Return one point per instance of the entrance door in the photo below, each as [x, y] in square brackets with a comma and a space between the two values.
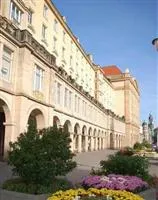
[2, 134]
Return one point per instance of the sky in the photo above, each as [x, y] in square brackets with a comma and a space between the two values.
[120, 32]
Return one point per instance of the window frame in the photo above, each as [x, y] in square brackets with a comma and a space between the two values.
[41, 78]
[14, 16]
[45, 11]
[10, 63]
[44, 28]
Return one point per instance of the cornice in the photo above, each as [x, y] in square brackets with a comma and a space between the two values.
[23, 38]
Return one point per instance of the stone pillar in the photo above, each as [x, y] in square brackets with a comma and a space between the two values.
[79, 143]
[104, 143]
[72, 141]
[114, 141]
[92, 143]
[86, 143]
[100, 143]
[9, 136]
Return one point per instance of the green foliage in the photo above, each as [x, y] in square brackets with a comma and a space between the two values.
[38, 157]
[138, 146]
[98, 172]
[18, 185]
[146, 144]
[126, 151]
[126, 165]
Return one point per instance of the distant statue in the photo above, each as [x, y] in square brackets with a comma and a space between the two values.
[151, 129]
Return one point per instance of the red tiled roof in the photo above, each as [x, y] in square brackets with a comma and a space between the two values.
[111, 70]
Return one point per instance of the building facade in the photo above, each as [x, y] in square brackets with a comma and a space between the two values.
[45, 74]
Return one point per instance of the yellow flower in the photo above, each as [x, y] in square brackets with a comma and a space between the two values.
[72, 193]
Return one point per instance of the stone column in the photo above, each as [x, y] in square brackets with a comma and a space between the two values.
[103, 142]
[86, 143]
[79, 143]
[92, 143]
[72, 141]
[10, 135]
[100, 143]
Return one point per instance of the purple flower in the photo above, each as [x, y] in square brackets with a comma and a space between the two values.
[116, 182]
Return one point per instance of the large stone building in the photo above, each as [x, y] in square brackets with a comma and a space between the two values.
[45, 74]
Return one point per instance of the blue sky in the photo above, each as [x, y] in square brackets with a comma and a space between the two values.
[120, 32]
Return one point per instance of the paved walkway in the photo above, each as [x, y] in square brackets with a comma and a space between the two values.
[85, 162]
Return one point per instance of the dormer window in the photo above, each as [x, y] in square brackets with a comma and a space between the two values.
[44, 32]
[15, 13]
[45, 11]
[30, 17]
[55, 25]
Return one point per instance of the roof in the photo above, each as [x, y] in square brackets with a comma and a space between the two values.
[111, 70]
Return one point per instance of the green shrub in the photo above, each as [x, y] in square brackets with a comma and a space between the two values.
[138, 146]
[38, 157]
[18, 185]
[146, 144]
[126, 151]
[98, 172]
[126, 165]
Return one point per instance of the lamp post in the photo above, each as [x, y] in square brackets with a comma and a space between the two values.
[155, 43]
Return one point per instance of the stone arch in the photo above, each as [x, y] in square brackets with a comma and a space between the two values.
[67, 126]
[56, 122]
[106, 139]
[37, 116]
[111, 141]
[102, 140]
[5, 130]
[90, 140]
[84, 135]
[116, 141]
[95, 139]
[76, 137]
[119, 141]
[99, 140]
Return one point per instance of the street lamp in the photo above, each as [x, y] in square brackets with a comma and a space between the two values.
[155, 43]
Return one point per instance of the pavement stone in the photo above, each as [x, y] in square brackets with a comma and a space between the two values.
[149, 194]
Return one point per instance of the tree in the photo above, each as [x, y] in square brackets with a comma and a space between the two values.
[37, 157]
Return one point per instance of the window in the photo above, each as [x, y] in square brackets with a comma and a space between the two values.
[77, 53]
[6, 63]
[55, 25]
[71, 46]
[44, 32]
[15, 13]
[78, 104]
[85, 113]
[75, 103]
[63, 53]
[70, 96]
[54, 92]
[83, 107]
[64, 36]
[66, 98]
[70, 61]
[30, 17]
[54, 44]
[38, 81]
[58, 93]
[45, 11]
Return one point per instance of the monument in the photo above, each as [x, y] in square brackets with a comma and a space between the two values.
[151, 129]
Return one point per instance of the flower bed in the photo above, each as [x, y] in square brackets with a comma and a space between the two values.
[94, 193]
[115, 182]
